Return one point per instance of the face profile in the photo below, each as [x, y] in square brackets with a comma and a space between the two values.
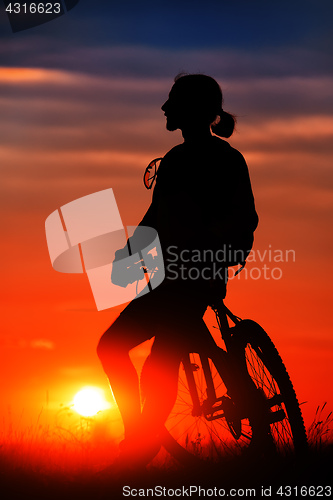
[194, 105]
[175, 109]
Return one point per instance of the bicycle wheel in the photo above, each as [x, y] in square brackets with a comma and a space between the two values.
[215, 429]
[273, 420]
[270, 376]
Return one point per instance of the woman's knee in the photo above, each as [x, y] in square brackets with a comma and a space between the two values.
[101, 347]
[107, 344]
[112, 344]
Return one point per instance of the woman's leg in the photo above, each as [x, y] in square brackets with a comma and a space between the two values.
[129, 330]
[159, 378]
[174, 317]
[123, 380]
[159, 385]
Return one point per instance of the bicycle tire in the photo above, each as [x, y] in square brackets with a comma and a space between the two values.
[268, 372]
[207, 441]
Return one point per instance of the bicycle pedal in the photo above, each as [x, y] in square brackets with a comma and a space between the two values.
[277, 416]
[232, 416]
[275, 400]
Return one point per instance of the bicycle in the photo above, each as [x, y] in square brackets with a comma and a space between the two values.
[234, 398]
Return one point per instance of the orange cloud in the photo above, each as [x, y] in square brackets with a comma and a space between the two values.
[24, 76]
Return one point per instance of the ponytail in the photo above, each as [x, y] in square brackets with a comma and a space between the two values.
[225, 126]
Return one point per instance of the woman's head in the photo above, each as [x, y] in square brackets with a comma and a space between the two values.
[196, 101]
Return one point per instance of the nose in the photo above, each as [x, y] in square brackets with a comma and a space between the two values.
[164, 106]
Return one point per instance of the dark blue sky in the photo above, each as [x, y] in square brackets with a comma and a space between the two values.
[184, 24]
[253, 27]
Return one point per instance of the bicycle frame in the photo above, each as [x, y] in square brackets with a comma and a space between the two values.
[212, 406]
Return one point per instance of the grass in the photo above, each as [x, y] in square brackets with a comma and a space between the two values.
[320, 430]
[56, 462]
[64, 447]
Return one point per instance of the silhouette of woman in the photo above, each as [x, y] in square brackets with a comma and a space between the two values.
[202, 201]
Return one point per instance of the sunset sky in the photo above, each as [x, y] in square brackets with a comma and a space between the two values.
[80, 112]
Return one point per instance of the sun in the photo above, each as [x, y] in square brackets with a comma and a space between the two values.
[89, 401]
